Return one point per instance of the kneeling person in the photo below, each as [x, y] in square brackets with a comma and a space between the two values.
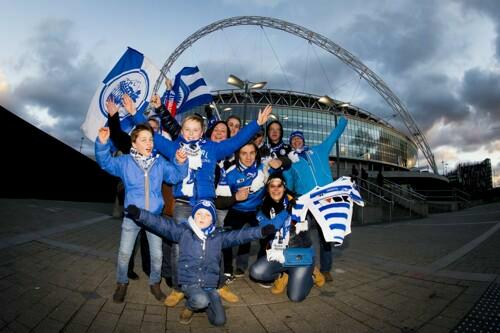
[200, 245]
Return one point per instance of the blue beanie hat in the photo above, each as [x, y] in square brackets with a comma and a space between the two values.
[208, 205]
[299, 134]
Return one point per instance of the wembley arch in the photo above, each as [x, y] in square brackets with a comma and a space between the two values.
[326, 44]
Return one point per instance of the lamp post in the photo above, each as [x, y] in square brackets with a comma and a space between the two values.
[246, 86]
[328, 101]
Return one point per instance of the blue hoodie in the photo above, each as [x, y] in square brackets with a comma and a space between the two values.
[313, 167]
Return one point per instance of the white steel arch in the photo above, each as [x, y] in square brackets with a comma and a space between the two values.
[321, 41]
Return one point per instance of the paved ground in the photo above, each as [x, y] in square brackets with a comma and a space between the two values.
[57, 269]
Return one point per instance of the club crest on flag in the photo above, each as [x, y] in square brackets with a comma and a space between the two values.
[133, 75]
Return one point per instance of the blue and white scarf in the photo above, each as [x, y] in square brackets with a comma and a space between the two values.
[144, 162]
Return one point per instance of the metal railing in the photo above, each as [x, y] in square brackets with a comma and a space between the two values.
[374, 198]
[404, 190]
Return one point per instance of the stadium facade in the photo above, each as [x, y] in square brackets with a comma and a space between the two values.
[368, 141]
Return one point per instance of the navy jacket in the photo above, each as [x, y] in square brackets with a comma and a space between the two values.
[198, 264]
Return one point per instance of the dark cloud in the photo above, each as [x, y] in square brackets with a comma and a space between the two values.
[64, 83]
[395, 41]
[489, 8]
[481, 89]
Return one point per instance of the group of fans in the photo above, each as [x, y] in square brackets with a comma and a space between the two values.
[221, 177]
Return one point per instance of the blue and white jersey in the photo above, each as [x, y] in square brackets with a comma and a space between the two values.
[332, 206]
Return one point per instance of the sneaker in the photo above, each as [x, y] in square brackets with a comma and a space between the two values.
[229, 278]
[279, 284]
[239, 273]
[132, 275]
[186, 316]
[120, 292]
[156, 291]
[319, 279]
[227, 295]
[328, 276]
[266, 285]
[174, 298]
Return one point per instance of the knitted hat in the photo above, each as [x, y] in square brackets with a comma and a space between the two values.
[208, 205]
[299, 134]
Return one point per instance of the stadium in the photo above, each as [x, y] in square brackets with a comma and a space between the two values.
[368, 141]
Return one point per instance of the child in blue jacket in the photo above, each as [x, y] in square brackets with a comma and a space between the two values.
[200, 243]
[142, 174]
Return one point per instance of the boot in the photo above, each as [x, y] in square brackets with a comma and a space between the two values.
[120, 292]
[174, 298]
[280, 284]
[328, 276]
[226, 294]
[319, 279]
[186, 316]
[156, 291]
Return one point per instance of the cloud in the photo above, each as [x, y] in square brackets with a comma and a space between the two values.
[489, 8]
[481, 89]
[56, 95]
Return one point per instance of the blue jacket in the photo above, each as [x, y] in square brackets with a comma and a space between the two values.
[313, 167]
[136, 179]
[204, 177]
[237, 178]
[197, 264]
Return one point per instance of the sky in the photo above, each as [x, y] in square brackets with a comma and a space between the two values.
[441, 58]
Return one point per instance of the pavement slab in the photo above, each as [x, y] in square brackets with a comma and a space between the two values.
[57, 273]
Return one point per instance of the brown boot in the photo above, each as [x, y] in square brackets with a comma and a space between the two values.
[319, 279]
[186, 316]
[174, 298]
[328, 276]
[280, 284]
[120, 292]
[156, 291]
[227, 295]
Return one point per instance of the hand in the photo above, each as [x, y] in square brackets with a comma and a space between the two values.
[168, 84]
[156, 101]
[267, 230]
[111, 107]
[103, 135]
[181, 156]
[129, 104]
[242, 193]
[275, 164]
[264, 115]
[133, 212]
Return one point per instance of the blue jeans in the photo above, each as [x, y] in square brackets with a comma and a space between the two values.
[325, 248]
[130, 230]
[198, 298]
[181, 214]
[300, 279]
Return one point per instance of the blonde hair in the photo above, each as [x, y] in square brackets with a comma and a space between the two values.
[196, 118]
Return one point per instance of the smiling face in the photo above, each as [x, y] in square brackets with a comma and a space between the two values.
[202, 218]
[247, 155]
[297, 142]
[274, 133]
[144, 143]
[219, 133]
[276, 189]
[234, 126]
[192, 130]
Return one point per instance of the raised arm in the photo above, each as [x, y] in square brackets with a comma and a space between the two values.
[168, 123]
[328, 143]
[245, 235]
[229, 146]
[103, 156]
[160, 225]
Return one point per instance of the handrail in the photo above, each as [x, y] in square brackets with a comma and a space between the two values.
[410, 191]
[385, 189]
[391, 203]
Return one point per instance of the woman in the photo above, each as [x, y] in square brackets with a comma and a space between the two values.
[299, 279]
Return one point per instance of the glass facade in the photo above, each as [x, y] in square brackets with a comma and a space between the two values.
[363, 140]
